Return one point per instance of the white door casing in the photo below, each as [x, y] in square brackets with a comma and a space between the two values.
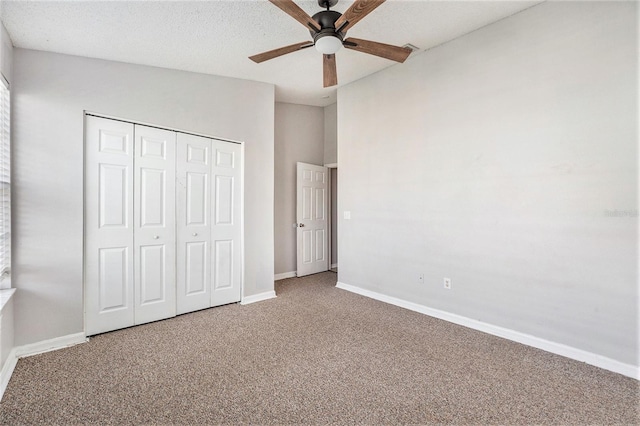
[154, 230]
[312, 219]
[226, 237]
[193, 168]
[109, 222]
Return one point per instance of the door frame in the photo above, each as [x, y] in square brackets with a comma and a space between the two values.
[331, 166]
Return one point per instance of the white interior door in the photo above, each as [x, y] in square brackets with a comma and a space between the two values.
[226, 230]
[311, 217]
[109, 248]
[154, 230]
[193, 168]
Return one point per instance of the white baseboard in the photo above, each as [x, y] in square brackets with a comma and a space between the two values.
[258, 297]
[7, 371]
[284, 275]
[50, 345]
[334, 265]
[34, 349]
[516, 336]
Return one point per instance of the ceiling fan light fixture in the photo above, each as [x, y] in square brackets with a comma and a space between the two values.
[328, 44]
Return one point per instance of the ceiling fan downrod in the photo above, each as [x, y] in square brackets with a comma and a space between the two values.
[327, 3]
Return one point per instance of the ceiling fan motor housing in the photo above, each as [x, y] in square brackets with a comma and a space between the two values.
[327, 21]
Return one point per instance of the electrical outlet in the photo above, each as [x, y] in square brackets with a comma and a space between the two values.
[421, 279]
[447, 283]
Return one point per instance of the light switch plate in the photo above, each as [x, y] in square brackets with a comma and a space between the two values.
[347, 215]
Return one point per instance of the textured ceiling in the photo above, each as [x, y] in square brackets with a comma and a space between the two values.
[217, 37]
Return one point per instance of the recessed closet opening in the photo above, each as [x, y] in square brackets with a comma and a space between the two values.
[163, 223]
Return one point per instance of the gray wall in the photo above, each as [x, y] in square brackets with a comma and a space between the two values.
[298, 137]
[514, 173]
[6, 53]
[331, 134]
[50, 93]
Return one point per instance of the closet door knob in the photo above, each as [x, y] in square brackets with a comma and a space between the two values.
[156, 237]
[195, 234]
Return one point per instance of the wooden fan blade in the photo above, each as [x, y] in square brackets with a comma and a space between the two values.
[329, 73]
[395, 53]
[265, 56]
[293, 10]
[356, 12]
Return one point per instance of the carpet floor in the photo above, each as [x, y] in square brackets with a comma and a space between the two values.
[314, 355]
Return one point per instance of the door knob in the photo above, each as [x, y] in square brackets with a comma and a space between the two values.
[156, 237]
[195, 234]
[301, 225]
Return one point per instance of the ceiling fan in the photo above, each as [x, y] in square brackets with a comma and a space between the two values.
[328, 29]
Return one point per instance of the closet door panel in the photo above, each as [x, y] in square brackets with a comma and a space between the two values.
[153, 202]
[154, 224]
[152, 274]
[195, 262]
[226, 262]
[109, 272]
[193, 223]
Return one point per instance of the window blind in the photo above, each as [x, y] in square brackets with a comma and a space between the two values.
[5, 187]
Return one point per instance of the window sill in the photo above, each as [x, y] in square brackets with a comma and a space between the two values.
[5, 296]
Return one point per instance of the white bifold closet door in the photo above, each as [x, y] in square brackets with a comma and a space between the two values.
[208, 215]
[226, 256]
[194, 222]
[109, 249]
[130, 225]
[154, 224]
[162, 224]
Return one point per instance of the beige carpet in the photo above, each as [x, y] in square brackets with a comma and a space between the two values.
[314, 355]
